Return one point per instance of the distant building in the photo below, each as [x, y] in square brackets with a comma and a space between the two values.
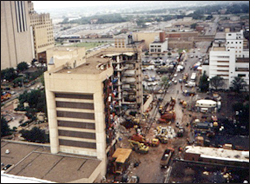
[16, 35]
[42, 28]
[228, 58]
[160, 44]
[147, 36]
[183, 40]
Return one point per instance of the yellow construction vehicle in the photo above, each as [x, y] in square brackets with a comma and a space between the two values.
[138, 147]
[120, 160]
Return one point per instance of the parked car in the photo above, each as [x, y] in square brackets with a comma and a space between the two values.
[7, 167]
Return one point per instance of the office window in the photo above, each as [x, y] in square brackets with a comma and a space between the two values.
[241, 75]
[20, 16]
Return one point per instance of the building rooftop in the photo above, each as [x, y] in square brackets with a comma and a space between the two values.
[158, 42]
[219, 153]
[219, 48]
[37, 161]
[94, 65]
[220, 36]
[64, 48]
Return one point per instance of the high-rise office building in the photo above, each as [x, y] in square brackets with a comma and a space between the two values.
[16, 37]
[42, 33]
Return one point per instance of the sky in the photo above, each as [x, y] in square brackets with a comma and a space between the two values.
[66, 4]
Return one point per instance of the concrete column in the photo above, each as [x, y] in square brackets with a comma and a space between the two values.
[100, 125]
[53, 125]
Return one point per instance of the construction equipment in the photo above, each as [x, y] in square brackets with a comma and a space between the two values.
[162, 139]
[168, 116]
[139, 147]
[185, 77]
[167, 107]
[167, 112]
[120, 160]
[180, 132]
[142, 139]
[154, 142]
[183, 103]
[167, 155]
[161, 134]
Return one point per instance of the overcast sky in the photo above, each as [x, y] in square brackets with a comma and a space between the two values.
[66, 4]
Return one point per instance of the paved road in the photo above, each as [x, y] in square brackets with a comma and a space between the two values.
[213, 27]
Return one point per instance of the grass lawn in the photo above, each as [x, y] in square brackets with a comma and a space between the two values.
[180, 50]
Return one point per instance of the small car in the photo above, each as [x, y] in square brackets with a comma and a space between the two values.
[7, 166]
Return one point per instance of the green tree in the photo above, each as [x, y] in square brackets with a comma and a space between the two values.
[204, 83]
[5, 128]
[18, 81]
[42, 80]
[22, 66]
[8, 74]
[216, 82]
[237, 84]
[35, 135]
[193, 26]
[164, 81]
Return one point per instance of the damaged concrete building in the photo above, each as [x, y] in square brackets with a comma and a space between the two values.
[86, 95]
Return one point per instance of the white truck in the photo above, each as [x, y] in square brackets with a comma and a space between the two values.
[190, 84]
[193, 77]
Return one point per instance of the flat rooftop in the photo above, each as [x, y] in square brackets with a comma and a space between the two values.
[219, 153]
[91, 66]
[220, 36]
[37, 161]
[65, 48]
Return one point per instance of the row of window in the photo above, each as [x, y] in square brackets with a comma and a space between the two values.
[236, 42]
[20, 16]
[44, 45]
[155, 50]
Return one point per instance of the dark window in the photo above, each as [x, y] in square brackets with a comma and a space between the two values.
[77, 144]
[75, 105]
[75, 124]
[241, 75]
[79, 115]
[76, 96]
[86, 135]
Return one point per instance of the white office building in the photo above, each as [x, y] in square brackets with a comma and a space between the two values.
[228, 58]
